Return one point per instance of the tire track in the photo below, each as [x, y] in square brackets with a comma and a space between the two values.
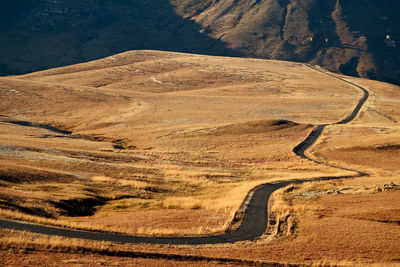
[255, 219]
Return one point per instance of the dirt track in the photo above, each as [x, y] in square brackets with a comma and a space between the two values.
[254, 222]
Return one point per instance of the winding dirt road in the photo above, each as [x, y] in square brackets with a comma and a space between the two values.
[255, 220]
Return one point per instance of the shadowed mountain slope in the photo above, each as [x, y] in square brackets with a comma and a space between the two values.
[359, 38]
[43, 34]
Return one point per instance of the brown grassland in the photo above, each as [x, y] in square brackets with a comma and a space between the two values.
[159, 143]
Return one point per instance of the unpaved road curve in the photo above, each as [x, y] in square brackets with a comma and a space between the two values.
[255, 220]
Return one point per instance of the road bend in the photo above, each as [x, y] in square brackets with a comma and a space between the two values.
[255, 219]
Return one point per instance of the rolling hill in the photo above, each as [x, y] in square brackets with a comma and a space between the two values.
[155, 144]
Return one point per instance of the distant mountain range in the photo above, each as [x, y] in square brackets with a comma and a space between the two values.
[355, 37]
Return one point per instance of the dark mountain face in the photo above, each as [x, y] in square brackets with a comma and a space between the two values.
[355, 37]
[43, 34]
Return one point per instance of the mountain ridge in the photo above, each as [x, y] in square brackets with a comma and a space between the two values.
[358, 38]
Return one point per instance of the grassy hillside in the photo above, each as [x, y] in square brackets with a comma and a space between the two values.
[160, 143]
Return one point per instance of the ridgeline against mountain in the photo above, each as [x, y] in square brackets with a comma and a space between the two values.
[359, 37]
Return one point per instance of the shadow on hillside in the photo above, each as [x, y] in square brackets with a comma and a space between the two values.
[38, 125]
[42, 37]
[382, 20]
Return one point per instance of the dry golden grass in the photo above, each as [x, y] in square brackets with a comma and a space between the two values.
[196, 132]
[38, 250]
[289, 199]
[357, 219]
[170, 144]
